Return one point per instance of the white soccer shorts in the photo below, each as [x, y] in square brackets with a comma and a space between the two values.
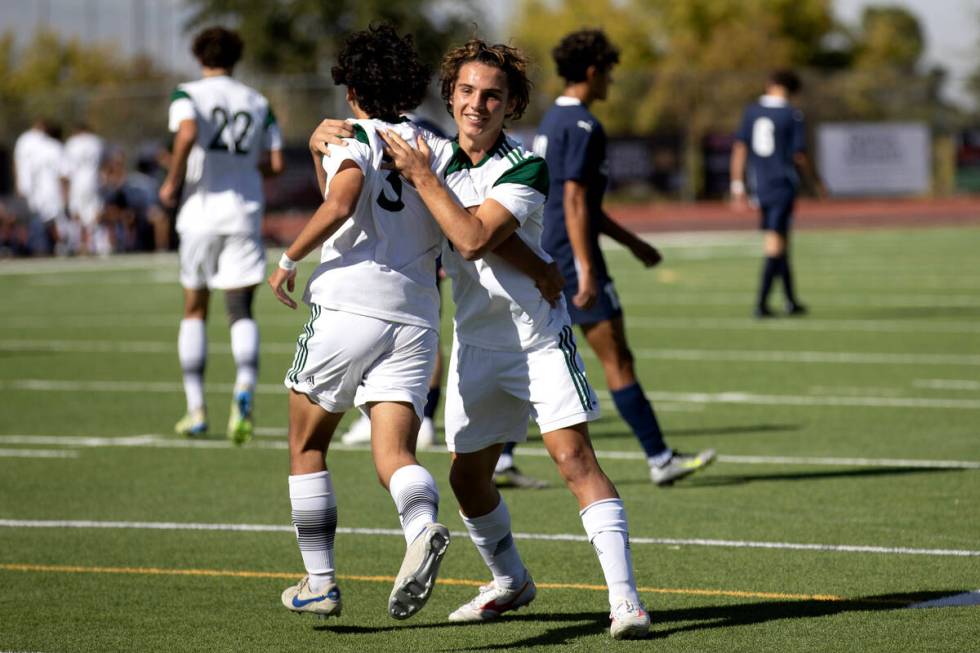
[492, 394]
[221, 262]
[344, 360]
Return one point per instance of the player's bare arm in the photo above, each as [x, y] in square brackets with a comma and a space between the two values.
[339, 205]
[473, 235]
[808, 172]
[183, 142]
[272, 165]
[328, 132]
[740, 153]
[646, 253]
[577, 225]
[546, 276]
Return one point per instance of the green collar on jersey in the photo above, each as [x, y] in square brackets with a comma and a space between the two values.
[461, 161]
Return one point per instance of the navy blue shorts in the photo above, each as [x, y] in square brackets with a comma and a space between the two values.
[777, 215]
[606, 307]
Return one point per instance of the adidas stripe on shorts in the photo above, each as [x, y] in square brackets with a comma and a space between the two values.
[344, 360]
[492, 394]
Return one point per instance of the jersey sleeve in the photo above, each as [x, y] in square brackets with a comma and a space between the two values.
[799, 132]
[744, 133]
[523, 188]
[579, 154]
[271, 134]
[355, 151]
[181, 108]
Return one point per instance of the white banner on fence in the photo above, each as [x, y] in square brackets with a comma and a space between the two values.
[892, 158]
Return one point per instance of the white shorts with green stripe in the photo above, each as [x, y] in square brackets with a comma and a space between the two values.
[344, 360]
[491, 394]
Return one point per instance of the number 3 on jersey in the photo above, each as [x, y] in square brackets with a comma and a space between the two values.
[238, 126]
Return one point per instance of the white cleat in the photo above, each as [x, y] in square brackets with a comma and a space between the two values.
[300, 598]
[493, 601]
[359, 432]
[681, 465]
[629, 620]
[418, 572]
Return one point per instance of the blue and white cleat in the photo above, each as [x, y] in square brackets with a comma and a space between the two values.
[193, 425]
[299, 598]
[240, 426]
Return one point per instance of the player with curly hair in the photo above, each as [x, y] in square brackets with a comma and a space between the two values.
[573, 143]
[514, 356]
[373, 331]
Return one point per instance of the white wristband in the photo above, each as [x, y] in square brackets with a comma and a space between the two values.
[287, 263]
[738, 187]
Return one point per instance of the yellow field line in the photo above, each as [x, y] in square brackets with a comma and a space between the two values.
[157, 571]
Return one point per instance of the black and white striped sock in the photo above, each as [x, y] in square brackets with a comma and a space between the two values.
[416, 498]
[314, 507]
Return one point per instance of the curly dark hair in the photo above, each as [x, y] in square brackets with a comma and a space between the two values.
[510, 60]
[787, 79]
[218, 47]
[577, 51]
[383, 70]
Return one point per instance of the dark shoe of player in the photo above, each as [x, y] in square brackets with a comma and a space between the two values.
[793, 308]
[761, 312]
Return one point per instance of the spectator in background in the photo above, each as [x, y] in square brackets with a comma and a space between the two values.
[772, 141]
[80, 168]
[37, 165]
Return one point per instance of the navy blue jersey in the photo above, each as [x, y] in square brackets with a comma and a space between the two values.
[573, 144]
[774, 132]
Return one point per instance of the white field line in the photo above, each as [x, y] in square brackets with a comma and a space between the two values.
[706, 355]
[169, 442]
[731, 397]
[38, 453]
[555, 537]
[748, 324]
[170, 320]
[879, 300]
[953, 601]
[947, 384]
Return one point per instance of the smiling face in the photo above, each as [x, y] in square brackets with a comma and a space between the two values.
[480, 103]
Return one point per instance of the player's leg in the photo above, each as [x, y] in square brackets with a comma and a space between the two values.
[774, 248]
[314, 506]
[192, 351]
[245, 350]
[240, 267]
[481, 416]
[793, 305]
[487, 521]
[604, 519]
[428, 436]
[394, 390]
[607, 338]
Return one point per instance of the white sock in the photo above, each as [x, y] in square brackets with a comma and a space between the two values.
[192, 349]
[605, 524]
[314, 507]
[493, 539]
[245, 349]
[506, 460]
[661, 458]
[416, 498]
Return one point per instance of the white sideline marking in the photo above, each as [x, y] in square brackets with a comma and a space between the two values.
[37, 453]
[749, 324]
[956, 600]
[823, 299]
[947, 384]
[165, 442]
[740, 355]
[556, 537]
[733, 397]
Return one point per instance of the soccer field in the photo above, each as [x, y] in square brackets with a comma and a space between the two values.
[845, 495]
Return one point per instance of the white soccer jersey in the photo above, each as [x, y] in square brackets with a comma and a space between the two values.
[223, 187]
[497, 306]
[381, 262]
[80, 165]
[24, 156]
[45, 196]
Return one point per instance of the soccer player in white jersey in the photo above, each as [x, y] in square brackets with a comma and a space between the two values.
[223, 128]
[37, 164]
[514, 356]
[80, 170]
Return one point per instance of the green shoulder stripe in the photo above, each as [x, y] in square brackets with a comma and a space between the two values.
[361, 135]
[178, 94]
[532, 171]
[270, 118]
